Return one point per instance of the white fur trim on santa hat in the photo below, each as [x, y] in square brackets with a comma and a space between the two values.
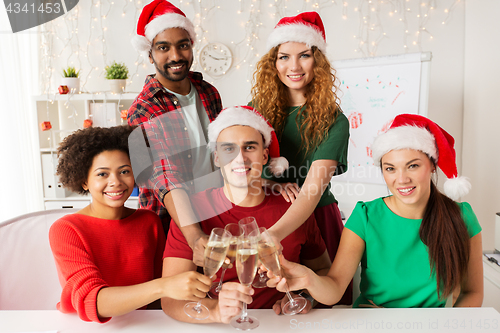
[404, 137]
[278, 165]
[298, 32]
[457, 187]
[142, 45]
[168, 21]
[239, 116]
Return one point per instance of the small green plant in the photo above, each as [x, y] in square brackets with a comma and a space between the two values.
[117, 71]
[70, 72]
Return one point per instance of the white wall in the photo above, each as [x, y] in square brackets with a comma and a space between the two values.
[99, 41]
[481, 133]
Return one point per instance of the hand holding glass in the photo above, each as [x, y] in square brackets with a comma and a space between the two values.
[249, 224]
[215, 253]
[236, 231]
[246, 267]
[268, 255]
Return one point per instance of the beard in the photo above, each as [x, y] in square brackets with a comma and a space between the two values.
[177, 76]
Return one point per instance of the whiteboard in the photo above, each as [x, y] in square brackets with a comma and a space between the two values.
[372, 92]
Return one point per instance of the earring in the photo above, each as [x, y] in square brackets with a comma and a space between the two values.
[434, 171]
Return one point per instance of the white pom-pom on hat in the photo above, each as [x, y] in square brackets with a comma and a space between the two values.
[457, 187]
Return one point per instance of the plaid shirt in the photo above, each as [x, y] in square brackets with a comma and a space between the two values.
[168, 139]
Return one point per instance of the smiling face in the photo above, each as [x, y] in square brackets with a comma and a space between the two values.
[407, 173]
[172, 55]
[110, 181]
[295, 65]
[241, 155]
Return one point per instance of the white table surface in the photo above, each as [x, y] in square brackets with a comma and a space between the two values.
[322, 320]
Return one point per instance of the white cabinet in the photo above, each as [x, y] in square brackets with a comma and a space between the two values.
[67, 113]
[491, 272]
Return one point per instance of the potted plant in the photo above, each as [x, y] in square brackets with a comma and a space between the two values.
[71, 79]
[117, 74]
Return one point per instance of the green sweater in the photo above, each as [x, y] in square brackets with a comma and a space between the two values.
[333, 147]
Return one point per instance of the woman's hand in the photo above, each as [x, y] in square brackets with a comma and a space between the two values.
[191, 286]
[294, 275]
[278, 306]
[289, 191]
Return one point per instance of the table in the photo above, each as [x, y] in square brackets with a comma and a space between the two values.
[440, 320]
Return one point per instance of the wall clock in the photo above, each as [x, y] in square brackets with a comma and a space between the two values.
[215, 59]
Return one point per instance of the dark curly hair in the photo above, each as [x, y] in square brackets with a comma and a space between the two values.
[77, 151]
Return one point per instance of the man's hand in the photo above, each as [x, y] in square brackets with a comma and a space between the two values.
[198, 247]
[231, 299]
[278, 306]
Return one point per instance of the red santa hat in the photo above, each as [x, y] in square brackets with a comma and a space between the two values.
[157, 16]
[304, 28]
[411, 131]
[248, 116]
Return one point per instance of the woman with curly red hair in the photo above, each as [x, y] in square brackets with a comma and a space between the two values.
[294, 88]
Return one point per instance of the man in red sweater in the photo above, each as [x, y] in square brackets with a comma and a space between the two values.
[242, 144]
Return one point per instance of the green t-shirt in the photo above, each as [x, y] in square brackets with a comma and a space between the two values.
[333, 147]
[395, 267]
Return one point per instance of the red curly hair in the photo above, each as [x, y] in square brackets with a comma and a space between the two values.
[271, 98]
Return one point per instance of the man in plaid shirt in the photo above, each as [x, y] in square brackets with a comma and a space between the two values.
[173, 110]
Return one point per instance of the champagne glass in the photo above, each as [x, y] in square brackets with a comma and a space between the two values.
[246, 267]
[268, 255]
[236, 231]
[249, 224]
[215, 253]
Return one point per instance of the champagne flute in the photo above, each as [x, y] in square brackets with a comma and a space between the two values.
[215, 253]
[268, 255]
[246, 267]
[236, 231]
[249, 224]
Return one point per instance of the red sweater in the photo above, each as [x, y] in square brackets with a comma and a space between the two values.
[93, 253]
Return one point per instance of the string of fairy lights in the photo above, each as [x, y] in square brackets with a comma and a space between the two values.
[81, 38]
[372, 15]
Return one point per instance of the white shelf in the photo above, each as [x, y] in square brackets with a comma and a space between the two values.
[99, 96]
[66, 118]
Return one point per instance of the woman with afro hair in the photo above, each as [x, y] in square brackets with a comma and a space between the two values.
[108, 256]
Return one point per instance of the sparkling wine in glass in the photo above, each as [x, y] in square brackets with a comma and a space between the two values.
[269, 257]
[236, 231]
[249, 224]
[215, 253]
[246, 267]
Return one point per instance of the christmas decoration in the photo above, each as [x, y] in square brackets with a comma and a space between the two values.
[87, 123]
[123, 114]
[46, 125]
[63, 90]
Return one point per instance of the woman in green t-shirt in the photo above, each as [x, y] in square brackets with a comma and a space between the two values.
[294, 88]
[418, 247]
